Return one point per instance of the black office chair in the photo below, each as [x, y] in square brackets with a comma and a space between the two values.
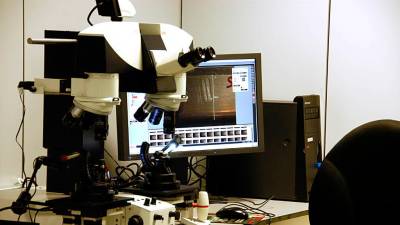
[358, 182]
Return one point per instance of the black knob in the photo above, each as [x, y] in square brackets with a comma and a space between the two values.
[158, 217]
[135, 220]
[146, 202]
[70, 121]
[153, 201]
[176, 215]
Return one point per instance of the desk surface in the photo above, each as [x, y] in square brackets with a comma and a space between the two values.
[283, 210]
[7, 196]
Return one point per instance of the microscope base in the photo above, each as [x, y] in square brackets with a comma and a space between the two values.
[65, 206]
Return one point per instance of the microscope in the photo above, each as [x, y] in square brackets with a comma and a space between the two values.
[84, 73]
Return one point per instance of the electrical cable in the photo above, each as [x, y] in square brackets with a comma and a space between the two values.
[198, 161]
[250, 209]
[26, 180]
[193, 170]
[112, 158]
[36, 214]
[21, 146]
[191, 166]
[122, 169]
[201, 166]
[29, 213]
[35, 190]
[5, 208]
[327, 69]
[34, 218]
[126, 168]
[261, 204]
[40, 210]
[189, 176]
[91, 12]
[21, 97]
[132, 178]
[138, 167]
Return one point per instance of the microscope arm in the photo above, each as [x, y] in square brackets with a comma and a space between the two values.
[98, 93]
[47, 86]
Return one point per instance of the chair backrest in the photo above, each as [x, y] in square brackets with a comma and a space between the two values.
[358, 181]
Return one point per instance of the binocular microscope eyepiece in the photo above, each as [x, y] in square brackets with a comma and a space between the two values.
[194, 58]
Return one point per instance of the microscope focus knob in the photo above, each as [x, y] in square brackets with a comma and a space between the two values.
[135, 220]
[146, 202]
[176, 215]
[153, 201]
[158, 217]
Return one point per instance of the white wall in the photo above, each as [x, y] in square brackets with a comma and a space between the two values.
[290, 34]
[10, 74]
[364, 74]
[39, 16]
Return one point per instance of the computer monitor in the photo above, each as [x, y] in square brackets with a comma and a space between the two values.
[223, 114]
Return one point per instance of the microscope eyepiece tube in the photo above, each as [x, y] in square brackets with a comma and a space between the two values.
[155, 116]
[143, 111]
[193, 57]
[169, 122]
[209, 53]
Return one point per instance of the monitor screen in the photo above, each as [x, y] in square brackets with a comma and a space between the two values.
[223, 114]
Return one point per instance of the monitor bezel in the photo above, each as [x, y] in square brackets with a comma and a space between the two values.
[122, 120]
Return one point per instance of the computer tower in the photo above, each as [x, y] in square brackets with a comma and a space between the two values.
[308, 140]
[261, 175]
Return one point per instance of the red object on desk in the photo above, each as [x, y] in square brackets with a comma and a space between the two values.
[195, 205]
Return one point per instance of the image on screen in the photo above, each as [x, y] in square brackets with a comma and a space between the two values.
[221, 111]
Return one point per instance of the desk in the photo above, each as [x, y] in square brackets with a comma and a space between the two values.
[9, 195]
[287, 213]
